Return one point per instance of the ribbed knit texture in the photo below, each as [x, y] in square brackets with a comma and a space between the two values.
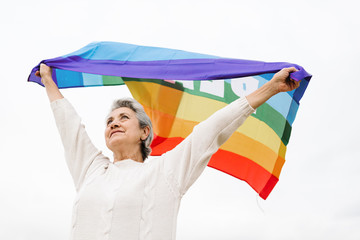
[131, 200]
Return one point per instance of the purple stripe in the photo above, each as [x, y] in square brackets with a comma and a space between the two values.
[183, 69]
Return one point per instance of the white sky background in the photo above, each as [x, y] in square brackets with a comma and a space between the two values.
[317, 197]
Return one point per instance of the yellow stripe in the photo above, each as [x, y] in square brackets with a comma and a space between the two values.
[254, 139]
[197, 109]
[238, 143]
[261, 132]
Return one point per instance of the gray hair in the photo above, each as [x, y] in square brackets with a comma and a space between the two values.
[143, 118]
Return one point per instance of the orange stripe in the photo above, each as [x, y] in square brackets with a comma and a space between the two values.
[196, 109]
[167, 126]
[161, 104]
[235, 165]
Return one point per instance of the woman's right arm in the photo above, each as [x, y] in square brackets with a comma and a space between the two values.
[80, 152]
[52, 89]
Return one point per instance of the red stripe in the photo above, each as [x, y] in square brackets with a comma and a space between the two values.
[233, 164]
[243, 168]
[161, 145]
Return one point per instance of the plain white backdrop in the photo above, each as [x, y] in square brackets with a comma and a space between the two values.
[317, 197]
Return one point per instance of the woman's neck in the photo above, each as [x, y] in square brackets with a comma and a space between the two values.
[133, 155]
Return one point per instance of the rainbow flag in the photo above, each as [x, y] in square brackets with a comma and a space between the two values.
[179, 89]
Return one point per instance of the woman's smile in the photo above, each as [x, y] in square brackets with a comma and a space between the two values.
[116, 132]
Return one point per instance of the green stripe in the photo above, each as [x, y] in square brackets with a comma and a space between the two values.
[274, 120]
[264, 113]
[112, 80]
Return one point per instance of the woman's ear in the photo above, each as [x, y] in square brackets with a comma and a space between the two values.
[145, 133]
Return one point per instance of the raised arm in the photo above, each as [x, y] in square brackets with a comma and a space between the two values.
[82, 157]
[52, 89]
[184, 164]
[281, 82]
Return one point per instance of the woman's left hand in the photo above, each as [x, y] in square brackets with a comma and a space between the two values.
[282, 81]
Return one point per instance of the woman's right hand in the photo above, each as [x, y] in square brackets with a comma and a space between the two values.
[46, 78]
[44, 73]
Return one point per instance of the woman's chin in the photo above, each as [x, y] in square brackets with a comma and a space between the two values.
[116, 143]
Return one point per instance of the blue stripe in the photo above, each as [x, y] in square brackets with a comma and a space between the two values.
[296, 94]
[68, 79]
[129, 52]
[281, 102]
[92, 79]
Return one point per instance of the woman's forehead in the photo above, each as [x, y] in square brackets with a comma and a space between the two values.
[122, 110]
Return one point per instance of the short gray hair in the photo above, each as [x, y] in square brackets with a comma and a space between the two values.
[143, 118]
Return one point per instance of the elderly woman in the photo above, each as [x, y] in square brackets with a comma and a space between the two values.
[128, 198]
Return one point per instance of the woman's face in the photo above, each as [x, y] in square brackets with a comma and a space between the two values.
[123, 130]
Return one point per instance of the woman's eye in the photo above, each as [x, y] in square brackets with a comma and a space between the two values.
[124, 117]
[108, 122]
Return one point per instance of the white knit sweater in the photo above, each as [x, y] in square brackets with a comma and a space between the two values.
[129, 200]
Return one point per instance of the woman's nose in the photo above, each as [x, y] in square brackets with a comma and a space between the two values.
[115, 125]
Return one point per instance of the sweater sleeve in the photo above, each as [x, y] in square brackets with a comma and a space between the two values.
[81, 155]
[184, 164]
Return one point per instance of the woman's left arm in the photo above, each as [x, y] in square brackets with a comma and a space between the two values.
[281, 82]
[184, 164]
